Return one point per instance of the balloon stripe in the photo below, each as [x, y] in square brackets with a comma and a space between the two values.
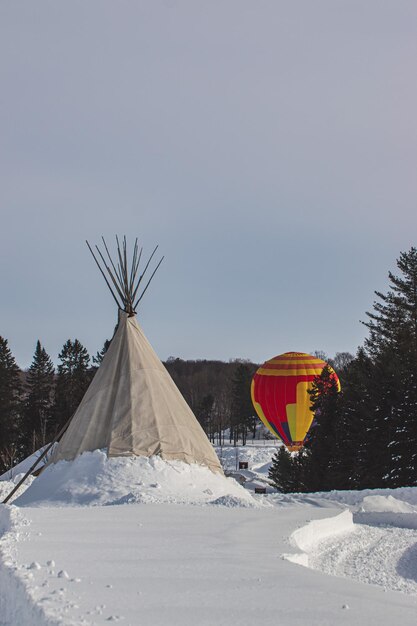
[296, 372]
[286, 361]
[288, 365]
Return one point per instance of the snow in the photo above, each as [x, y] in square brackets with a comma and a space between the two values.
[7, 486]
[172, 564]
[258, 455]
[316, 531]
[95, 480]
[373, 555]
[375, 542]
[386, 511]
[385, 504]
[146, 541]
[379, 556]
[352, 498]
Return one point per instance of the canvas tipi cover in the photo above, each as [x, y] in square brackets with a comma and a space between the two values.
[133, 407]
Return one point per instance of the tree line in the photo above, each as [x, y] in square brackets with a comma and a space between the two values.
[365, 436]
[35, 404]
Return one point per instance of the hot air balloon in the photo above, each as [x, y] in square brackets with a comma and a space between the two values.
[280, 395]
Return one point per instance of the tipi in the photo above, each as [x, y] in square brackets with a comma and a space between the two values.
[132, 406]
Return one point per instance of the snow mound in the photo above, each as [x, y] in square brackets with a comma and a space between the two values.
[93, 479]
[352, 498]
[371, 555]
[379, 556]
[386, 511]
[231, 501]
[308, 537]
[385, 504]
[7, 486]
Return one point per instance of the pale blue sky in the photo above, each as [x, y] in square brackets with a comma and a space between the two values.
[269, 147]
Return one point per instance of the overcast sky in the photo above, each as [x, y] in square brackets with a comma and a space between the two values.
[269, 147]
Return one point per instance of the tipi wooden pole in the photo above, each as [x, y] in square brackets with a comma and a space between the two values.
[38, 460]
[104, 276]
[148, 283]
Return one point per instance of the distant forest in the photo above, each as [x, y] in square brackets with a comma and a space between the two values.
[362, 437]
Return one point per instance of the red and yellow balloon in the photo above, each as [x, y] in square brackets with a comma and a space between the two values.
[280, 395]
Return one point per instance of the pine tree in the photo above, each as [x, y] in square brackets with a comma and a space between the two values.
[242, 407]
[98, 358]
[403, 440]
[10, 408]
[287, 471]
[38, 412]
[394, 319]
[392, 345]
[322, 463]
[204, 412]
[359, 454]
[282, 472]
[72, 382]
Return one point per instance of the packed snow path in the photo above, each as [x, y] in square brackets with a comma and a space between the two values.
[380, 556]
[170, 564]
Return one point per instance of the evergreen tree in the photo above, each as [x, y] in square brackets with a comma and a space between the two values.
[242, 407]
[287, 472]
[282, 472]
[10, 408]
[38, 412]
[98, 358]
[204, 413]
[394, 318]
[72, 382]
[322, 463]
[359, 454]
[392, 345]
[403, 439]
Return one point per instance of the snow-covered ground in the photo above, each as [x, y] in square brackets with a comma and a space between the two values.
[155, 543]
[92, 479]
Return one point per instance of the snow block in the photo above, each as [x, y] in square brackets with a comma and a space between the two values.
[307, 537]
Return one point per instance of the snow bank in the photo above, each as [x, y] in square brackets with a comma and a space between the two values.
[374, 555]
[385, 511]
[93, 479]
[385, 504]
[22, 610]
[352, 498]
[308, 537]
[375, 507]
[7, 486]
[384, 556]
